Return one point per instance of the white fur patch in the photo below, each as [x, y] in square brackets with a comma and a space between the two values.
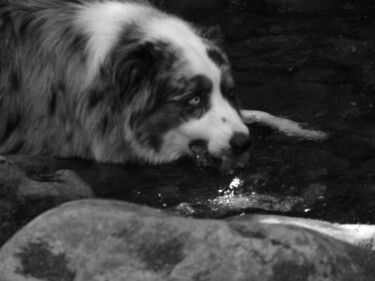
[180, 34]
[103, 22]
[217, 127]
[219, 124]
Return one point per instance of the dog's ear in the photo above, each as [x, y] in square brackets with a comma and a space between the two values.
[130, 64]
[134, 66]
[214, 33]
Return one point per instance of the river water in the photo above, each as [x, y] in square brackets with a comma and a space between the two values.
[317, 69]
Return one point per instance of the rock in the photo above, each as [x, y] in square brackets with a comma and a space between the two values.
[33, 165]
[355, 234]
[63, 184]
[30, 179]
[92, 240]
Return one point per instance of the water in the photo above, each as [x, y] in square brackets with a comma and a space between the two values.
[317, 69]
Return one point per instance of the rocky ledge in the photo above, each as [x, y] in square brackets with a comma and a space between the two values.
[90, 240]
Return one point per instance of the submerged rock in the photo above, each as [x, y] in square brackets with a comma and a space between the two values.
[107, 240]
[33, 178]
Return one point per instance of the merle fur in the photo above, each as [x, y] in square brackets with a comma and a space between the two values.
[45, 110]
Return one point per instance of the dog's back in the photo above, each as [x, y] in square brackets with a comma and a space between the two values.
[47, 77]
[112, 80]
[41, 65]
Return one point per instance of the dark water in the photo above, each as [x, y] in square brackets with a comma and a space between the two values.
[316, 69]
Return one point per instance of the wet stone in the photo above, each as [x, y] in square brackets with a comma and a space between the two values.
[38, 261]
[38, 180]
[109, 240]
[33, 165]
[29, 186]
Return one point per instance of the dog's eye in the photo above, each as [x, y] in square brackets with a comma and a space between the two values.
[195, 101]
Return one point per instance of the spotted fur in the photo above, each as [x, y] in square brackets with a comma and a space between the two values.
[111, 80]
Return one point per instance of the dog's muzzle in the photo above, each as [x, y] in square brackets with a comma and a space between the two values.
[235, 156]
[239, 143]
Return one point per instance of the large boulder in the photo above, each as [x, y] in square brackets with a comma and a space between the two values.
[32, 185]
[92, 240]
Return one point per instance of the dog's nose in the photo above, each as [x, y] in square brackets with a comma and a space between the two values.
[239, 143]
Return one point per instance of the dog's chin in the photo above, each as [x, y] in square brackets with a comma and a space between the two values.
[226, 162]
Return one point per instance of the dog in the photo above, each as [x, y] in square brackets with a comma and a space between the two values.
[114, 81]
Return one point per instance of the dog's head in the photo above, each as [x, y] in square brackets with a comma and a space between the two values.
[178, 91]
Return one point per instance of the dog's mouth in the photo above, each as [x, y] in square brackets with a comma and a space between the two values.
[226, 163]
[201, 154]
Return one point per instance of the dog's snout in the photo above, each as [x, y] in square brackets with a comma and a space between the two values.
[239, 143]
